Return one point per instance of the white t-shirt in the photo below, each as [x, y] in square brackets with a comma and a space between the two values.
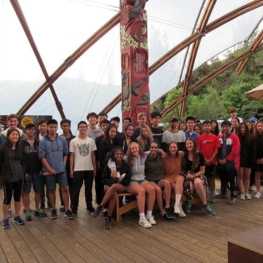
[82, 148]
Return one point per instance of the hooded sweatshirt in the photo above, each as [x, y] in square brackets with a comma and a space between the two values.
[138, 168]
[53, 151]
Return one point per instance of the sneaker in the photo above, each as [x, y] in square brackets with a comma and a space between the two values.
[151, 220]
[187, 207]
[212, 199]
[5, 223]
[108, 223]
[62, 208]
[258, 195]
[10, 213]
[182, 214]
[251, 190]
[105, 213]
[97, 212]
[54, 214]
[68, 214]
[49, 206]
[144, 223]
[40, 212]
[18, 220]
[90, 209]
[28, 216]
[176, 209]
[221, 196]
[248, 196]
[30, 210]
[232, 201]
[74, 212]
[167, 216]
[209, 210]
[242, 197]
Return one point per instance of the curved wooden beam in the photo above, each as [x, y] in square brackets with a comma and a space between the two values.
[201, 30]
[198, 85]
[25, 26]
[254, 45]
[178, 48]
[70, 60]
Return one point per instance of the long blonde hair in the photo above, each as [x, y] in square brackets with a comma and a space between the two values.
[129, 154]
[143, 141]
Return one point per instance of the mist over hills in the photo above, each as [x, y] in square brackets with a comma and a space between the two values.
[78, 97]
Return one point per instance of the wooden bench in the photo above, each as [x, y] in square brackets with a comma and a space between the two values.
[246, 247]
[122, 209]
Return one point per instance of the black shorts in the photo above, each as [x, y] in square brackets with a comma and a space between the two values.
[157, 181]
[210, 170]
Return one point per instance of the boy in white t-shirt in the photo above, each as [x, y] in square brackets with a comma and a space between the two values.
[82, 166]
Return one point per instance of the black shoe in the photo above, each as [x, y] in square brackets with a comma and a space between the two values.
[69, 215]
[167, 216]
[74, 212]
[105, 213]
[97, 211]
[54, 214]
[108, 223]
[62, 208]
[90, 209]
[42, 206]
[49, 206]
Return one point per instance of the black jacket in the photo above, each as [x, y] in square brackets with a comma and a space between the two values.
[124, 168]
[5, 168]
[248, 153]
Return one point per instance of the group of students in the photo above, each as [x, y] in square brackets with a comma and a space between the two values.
[147, 161]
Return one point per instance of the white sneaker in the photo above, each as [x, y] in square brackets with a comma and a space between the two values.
[151, 220]
[176, 209]
[181, 214]
[248, 196]
[242, 197]
[258, 195]
[144, 223]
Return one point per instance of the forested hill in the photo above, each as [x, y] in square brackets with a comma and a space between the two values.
[227, 90]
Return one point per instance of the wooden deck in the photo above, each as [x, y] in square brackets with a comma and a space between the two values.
[196, 238]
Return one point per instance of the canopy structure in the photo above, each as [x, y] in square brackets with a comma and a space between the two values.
[70, 51]
[256, 93]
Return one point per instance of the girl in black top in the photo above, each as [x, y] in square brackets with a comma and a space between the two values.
[215, 129]
[115, 181]
[193, 163]
[108, 143]
[259, 156]
[12, 167]
[128, 137]
[247, 159]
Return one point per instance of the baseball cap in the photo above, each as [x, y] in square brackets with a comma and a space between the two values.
[254, 119]
[173, 118]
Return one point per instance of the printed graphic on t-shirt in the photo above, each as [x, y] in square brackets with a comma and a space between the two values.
[83, 149]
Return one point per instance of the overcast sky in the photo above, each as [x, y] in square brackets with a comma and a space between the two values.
[59, 27]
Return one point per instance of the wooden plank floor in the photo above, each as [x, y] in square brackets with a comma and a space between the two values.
[196, 238]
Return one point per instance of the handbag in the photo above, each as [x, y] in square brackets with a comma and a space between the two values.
[186, 185]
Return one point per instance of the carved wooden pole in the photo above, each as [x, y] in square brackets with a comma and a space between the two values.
[134, 59]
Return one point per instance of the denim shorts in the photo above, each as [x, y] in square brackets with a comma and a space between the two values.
[139, 182]
[32, 179]
[60, 178]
